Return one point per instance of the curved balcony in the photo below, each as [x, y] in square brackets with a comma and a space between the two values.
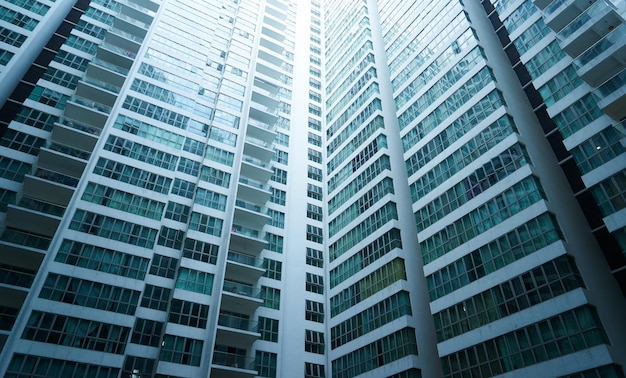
[243, 268]
[250, 214]
[256, 169]
[612, 96]
[248, 240]
[253, 191]
[236, 331]
[240, 298]
[562, 12]
[604, 59]
[230, 365]
[588, 28]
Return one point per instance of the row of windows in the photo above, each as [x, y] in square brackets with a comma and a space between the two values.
[23, 142]
[314, 283]
[23, 365]
[450, 104]
[77, 333]
[597, 150]
[538, 285]
[367, 286]
[372, 318]
[357, 103]
[560, 335]
[359, 232]
[477, 182]
[112, 228]
[149, 132]
[495, 211]
[91, 294]
[439, 87]
[118, 199]
[314, 341]
[359, 182]
[188, 313]
[610, 194]
[512, 246]
[181, 350]
[314, 234]
[361, 205]
[381, 352]
[268, 328]
[102, 259]
[133, 176]
[200, 251]
[141, 152]
[314, 311]
[367, 131]
[483, 108]
[357, 162]
[451, 51]
[497, 131]
[366, 256]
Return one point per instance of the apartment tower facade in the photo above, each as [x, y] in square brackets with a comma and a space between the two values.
[344, 188]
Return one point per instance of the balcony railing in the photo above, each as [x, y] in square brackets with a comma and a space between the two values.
[261, 125]
[91, 104]
[246, 231]
[15, 276]
[236, 322]
[241, 289]
[101, 84]
[249, 206]
[596, 9]
[56, 177]
[257, 162]
[615, 38]
[254, 183]
[244, 259]
[233, 360]
[26, 239]
[110, 66]
[74, 152]
[81, 126]
[42, 207]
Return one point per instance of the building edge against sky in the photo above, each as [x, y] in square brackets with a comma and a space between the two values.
[459, 209]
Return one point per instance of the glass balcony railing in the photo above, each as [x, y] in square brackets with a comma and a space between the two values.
[15, 276]
[110, 66]
[233, 360]
[126, 35]
[244, 259]
[246, 231]
[42, 207]
[257, 162]
[91, 104]
[261, 125]
[133, 21]
[237, 322]
[617, 82]
[56, 177]
[119, 50]
[26, 239]
[611, 40]
[101, 84]
[74, 152]
[254, 183]
[241, 289]
[598, 8]
[249, 206]
[81, 126]
[258, 142]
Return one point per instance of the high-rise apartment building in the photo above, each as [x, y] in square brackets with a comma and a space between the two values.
[339, 188]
